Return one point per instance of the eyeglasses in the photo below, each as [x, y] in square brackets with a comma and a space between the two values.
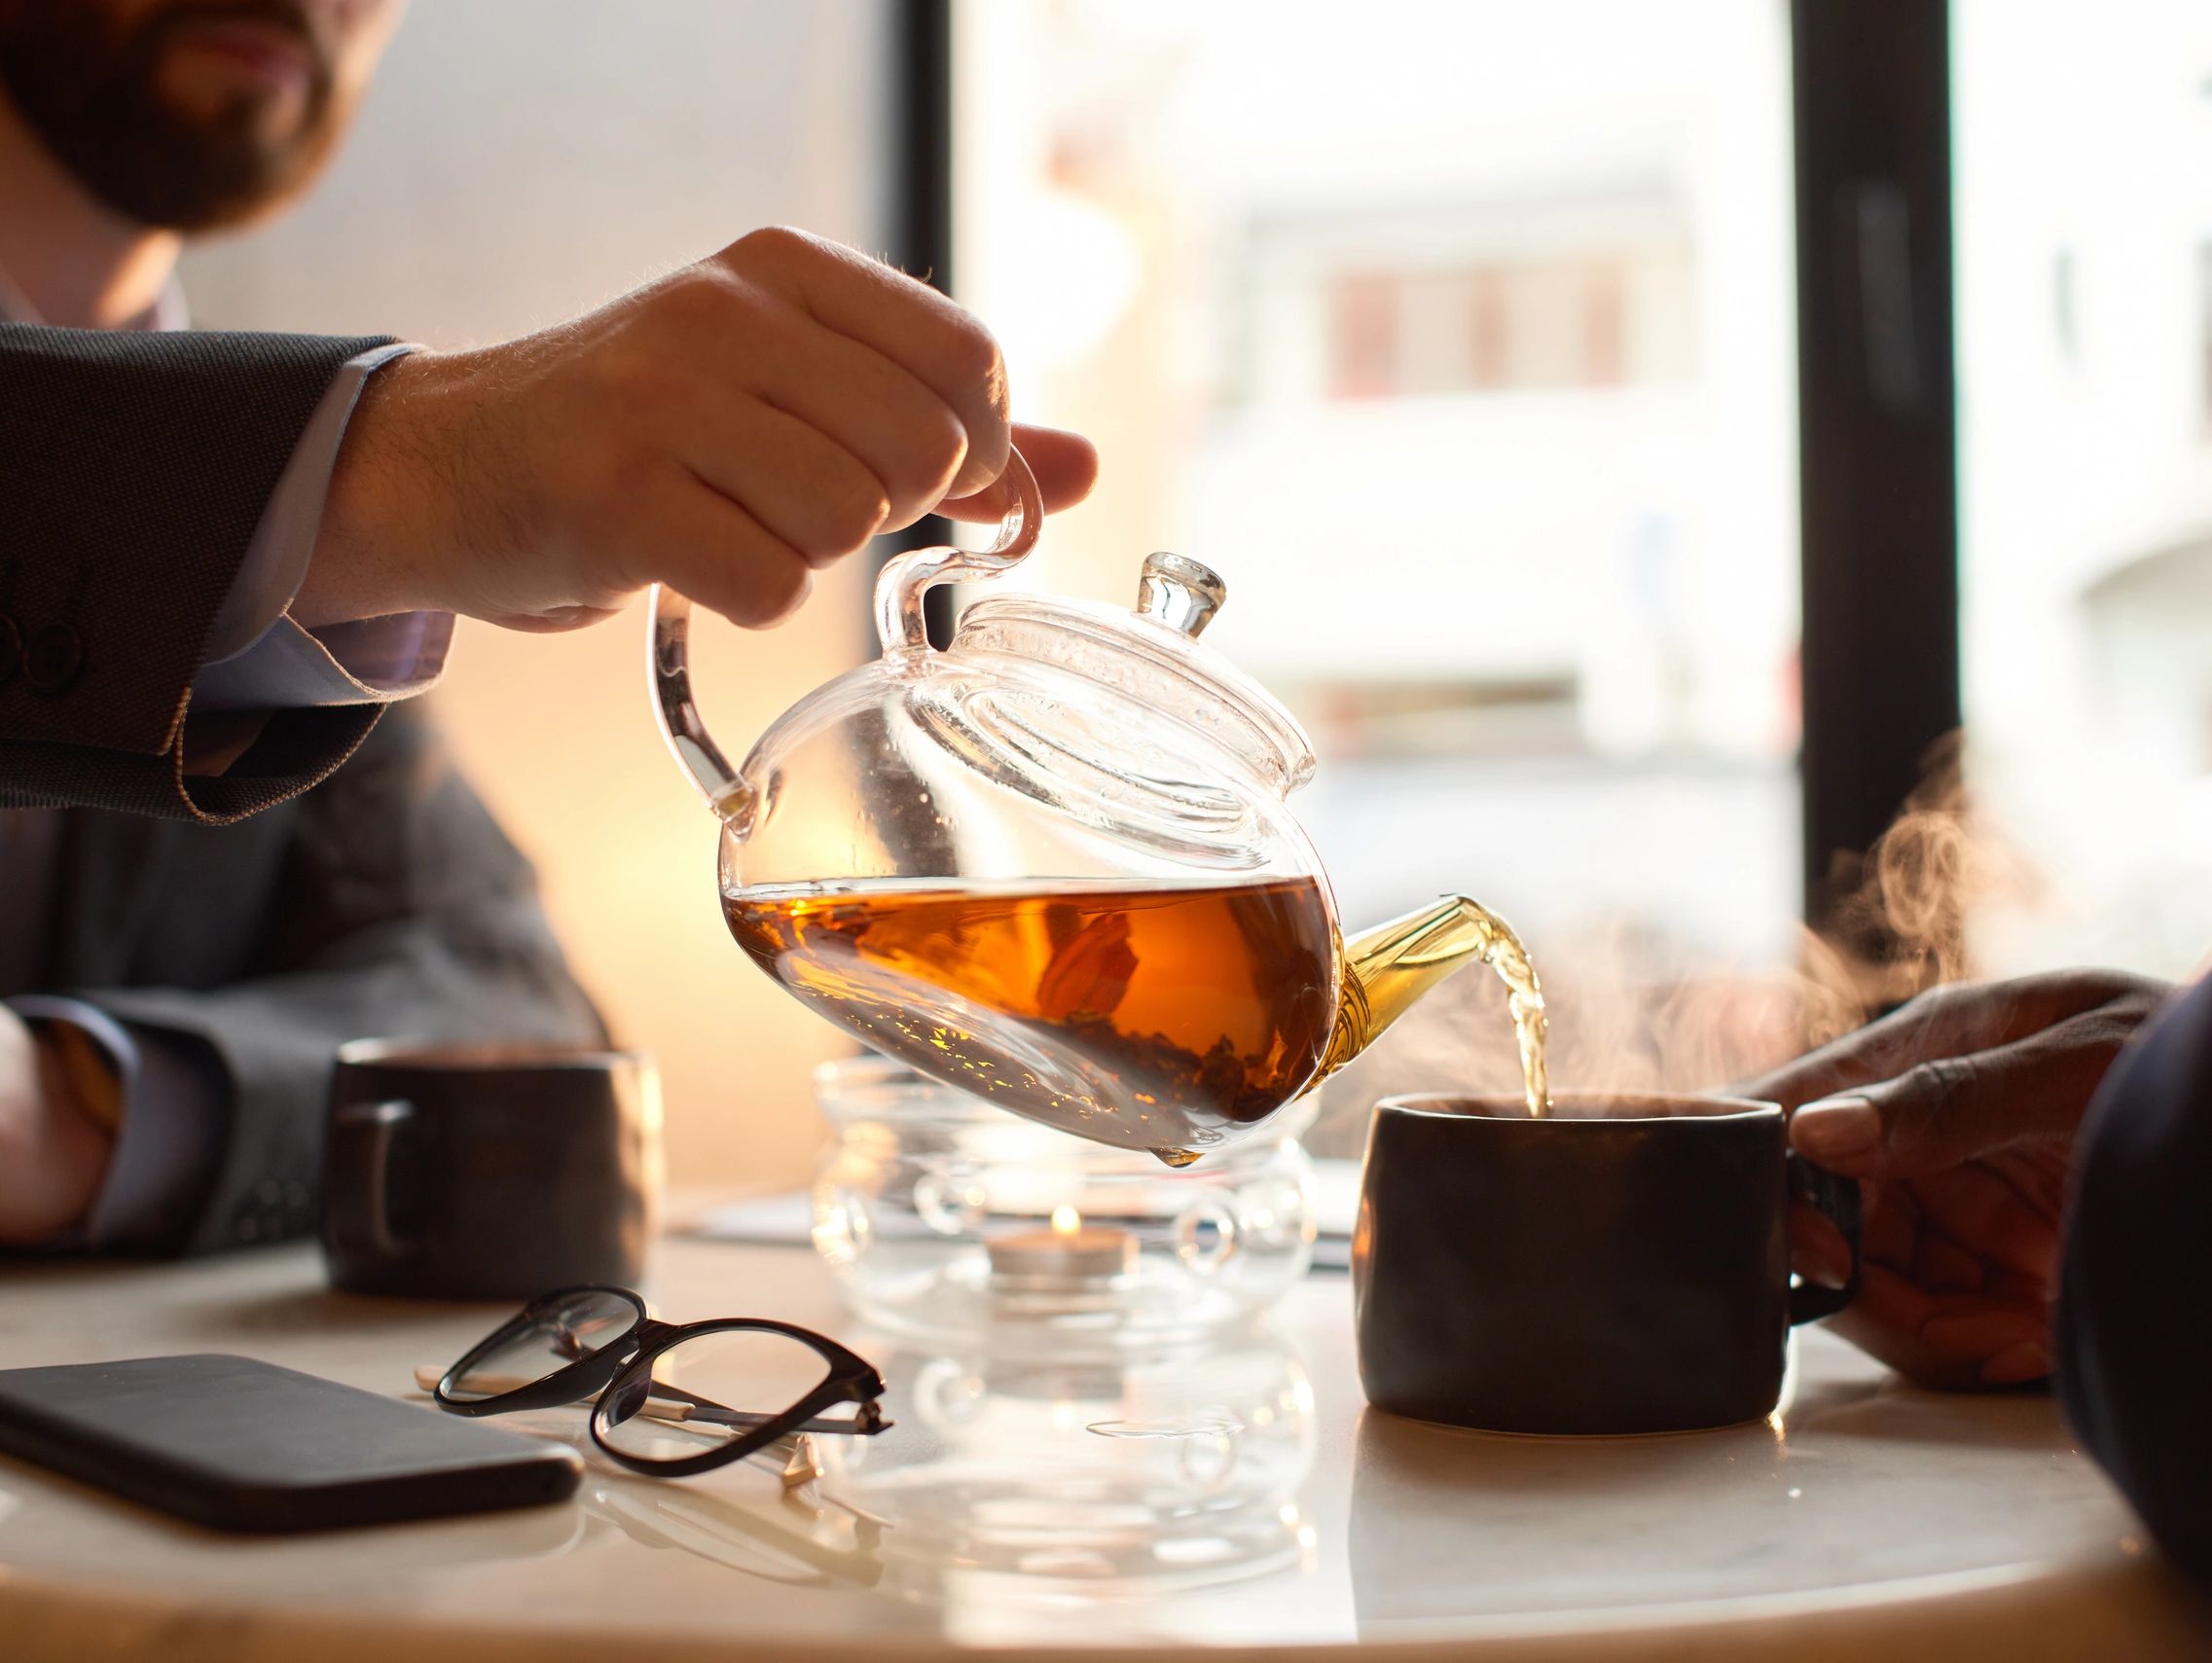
[673, 1398]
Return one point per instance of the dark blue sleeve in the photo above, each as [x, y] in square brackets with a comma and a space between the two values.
[169, 1141]
[2135, 1305]
[134, 467]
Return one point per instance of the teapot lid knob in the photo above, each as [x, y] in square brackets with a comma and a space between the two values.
[1179, 593]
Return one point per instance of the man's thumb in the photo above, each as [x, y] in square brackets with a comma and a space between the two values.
[1945, 1111]
[1954, 1108]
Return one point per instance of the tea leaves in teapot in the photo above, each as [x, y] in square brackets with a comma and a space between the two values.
[1153, 1016]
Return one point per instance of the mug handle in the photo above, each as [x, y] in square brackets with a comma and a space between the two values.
[381, 1121]
[1837, 1199]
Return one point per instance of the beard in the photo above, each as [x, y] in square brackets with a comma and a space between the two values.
[93, 95]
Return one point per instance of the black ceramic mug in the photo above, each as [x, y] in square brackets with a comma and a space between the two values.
[489, 1171]
[1620, 1266]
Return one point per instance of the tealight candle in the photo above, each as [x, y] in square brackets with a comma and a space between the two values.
[1068, 1255]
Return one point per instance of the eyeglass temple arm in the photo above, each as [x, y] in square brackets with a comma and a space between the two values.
[869, 1418]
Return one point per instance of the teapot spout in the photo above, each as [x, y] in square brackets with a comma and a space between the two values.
[1388, 970]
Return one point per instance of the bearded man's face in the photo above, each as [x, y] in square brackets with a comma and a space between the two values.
[191, 115]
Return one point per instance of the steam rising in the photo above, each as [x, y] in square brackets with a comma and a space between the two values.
[1634, 1011]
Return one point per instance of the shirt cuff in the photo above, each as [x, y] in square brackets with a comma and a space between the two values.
[257, 659]
[169, 1142]
[372, 662]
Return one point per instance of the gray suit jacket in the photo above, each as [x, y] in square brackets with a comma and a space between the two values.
[385, 902]
[133, 468]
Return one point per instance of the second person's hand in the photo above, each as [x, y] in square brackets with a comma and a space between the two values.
[1957, 1113]
[727, 429]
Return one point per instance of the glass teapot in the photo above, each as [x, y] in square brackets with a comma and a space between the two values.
[1052, 863]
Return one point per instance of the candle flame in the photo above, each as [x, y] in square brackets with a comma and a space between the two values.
[1065, 1220]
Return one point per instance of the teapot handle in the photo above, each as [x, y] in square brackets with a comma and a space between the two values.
[900, 622]
[669, 669]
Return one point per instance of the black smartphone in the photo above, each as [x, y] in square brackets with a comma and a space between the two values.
[247, 1446]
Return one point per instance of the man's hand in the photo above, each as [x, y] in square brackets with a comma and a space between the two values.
[52, 1152]
[1958, 1113]
[726, 429]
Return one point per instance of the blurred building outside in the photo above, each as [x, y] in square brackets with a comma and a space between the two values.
[2085, 337]
[1462, 343]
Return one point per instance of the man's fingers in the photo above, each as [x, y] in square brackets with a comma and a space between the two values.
[2018, 1364]
[1943, 1266]
[1953, 1341]
[1818, 1251]
[1974, 1335]
[1954, 1108]
[1884, 1321]
[943, 345]
[1952, 1021]
[908, 437]
[2018, 1289]
[1964, 1238]
[1932, 1024]
[1888, 1233]
[713, 550]
[1066, 465]
[808, 491]
[1976, 1202]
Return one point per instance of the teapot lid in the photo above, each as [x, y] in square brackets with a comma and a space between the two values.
[1152, 659]
[1120, 718]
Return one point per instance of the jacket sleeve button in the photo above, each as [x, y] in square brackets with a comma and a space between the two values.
[52, 659]
[11, 648]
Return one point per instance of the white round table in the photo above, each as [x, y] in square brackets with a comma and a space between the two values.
[1246, 1501]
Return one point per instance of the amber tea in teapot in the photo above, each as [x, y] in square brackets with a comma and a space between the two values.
[1052, 862]
[1160, 1017]
[1152, 1016]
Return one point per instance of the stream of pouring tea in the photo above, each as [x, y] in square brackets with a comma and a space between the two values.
[1157, 1017]
[1391, 967]
[1524, 1001]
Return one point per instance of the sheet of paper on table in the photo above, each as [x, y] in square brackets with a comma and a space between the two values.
[785, 1218]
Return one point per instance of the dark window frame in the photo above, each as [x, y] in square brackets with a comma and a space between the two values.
[920, 226]
[1877, 414]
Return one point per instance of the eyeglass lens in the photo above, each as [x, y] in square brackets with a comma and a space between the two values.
[710, 1389]
[559, 1330]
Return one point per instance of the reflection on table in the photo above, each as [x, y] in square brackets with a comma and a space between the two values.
[1025, 1481]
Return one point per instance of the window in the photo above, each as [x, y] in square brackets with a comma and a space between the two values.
[2086, 468]
[1462, 343]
